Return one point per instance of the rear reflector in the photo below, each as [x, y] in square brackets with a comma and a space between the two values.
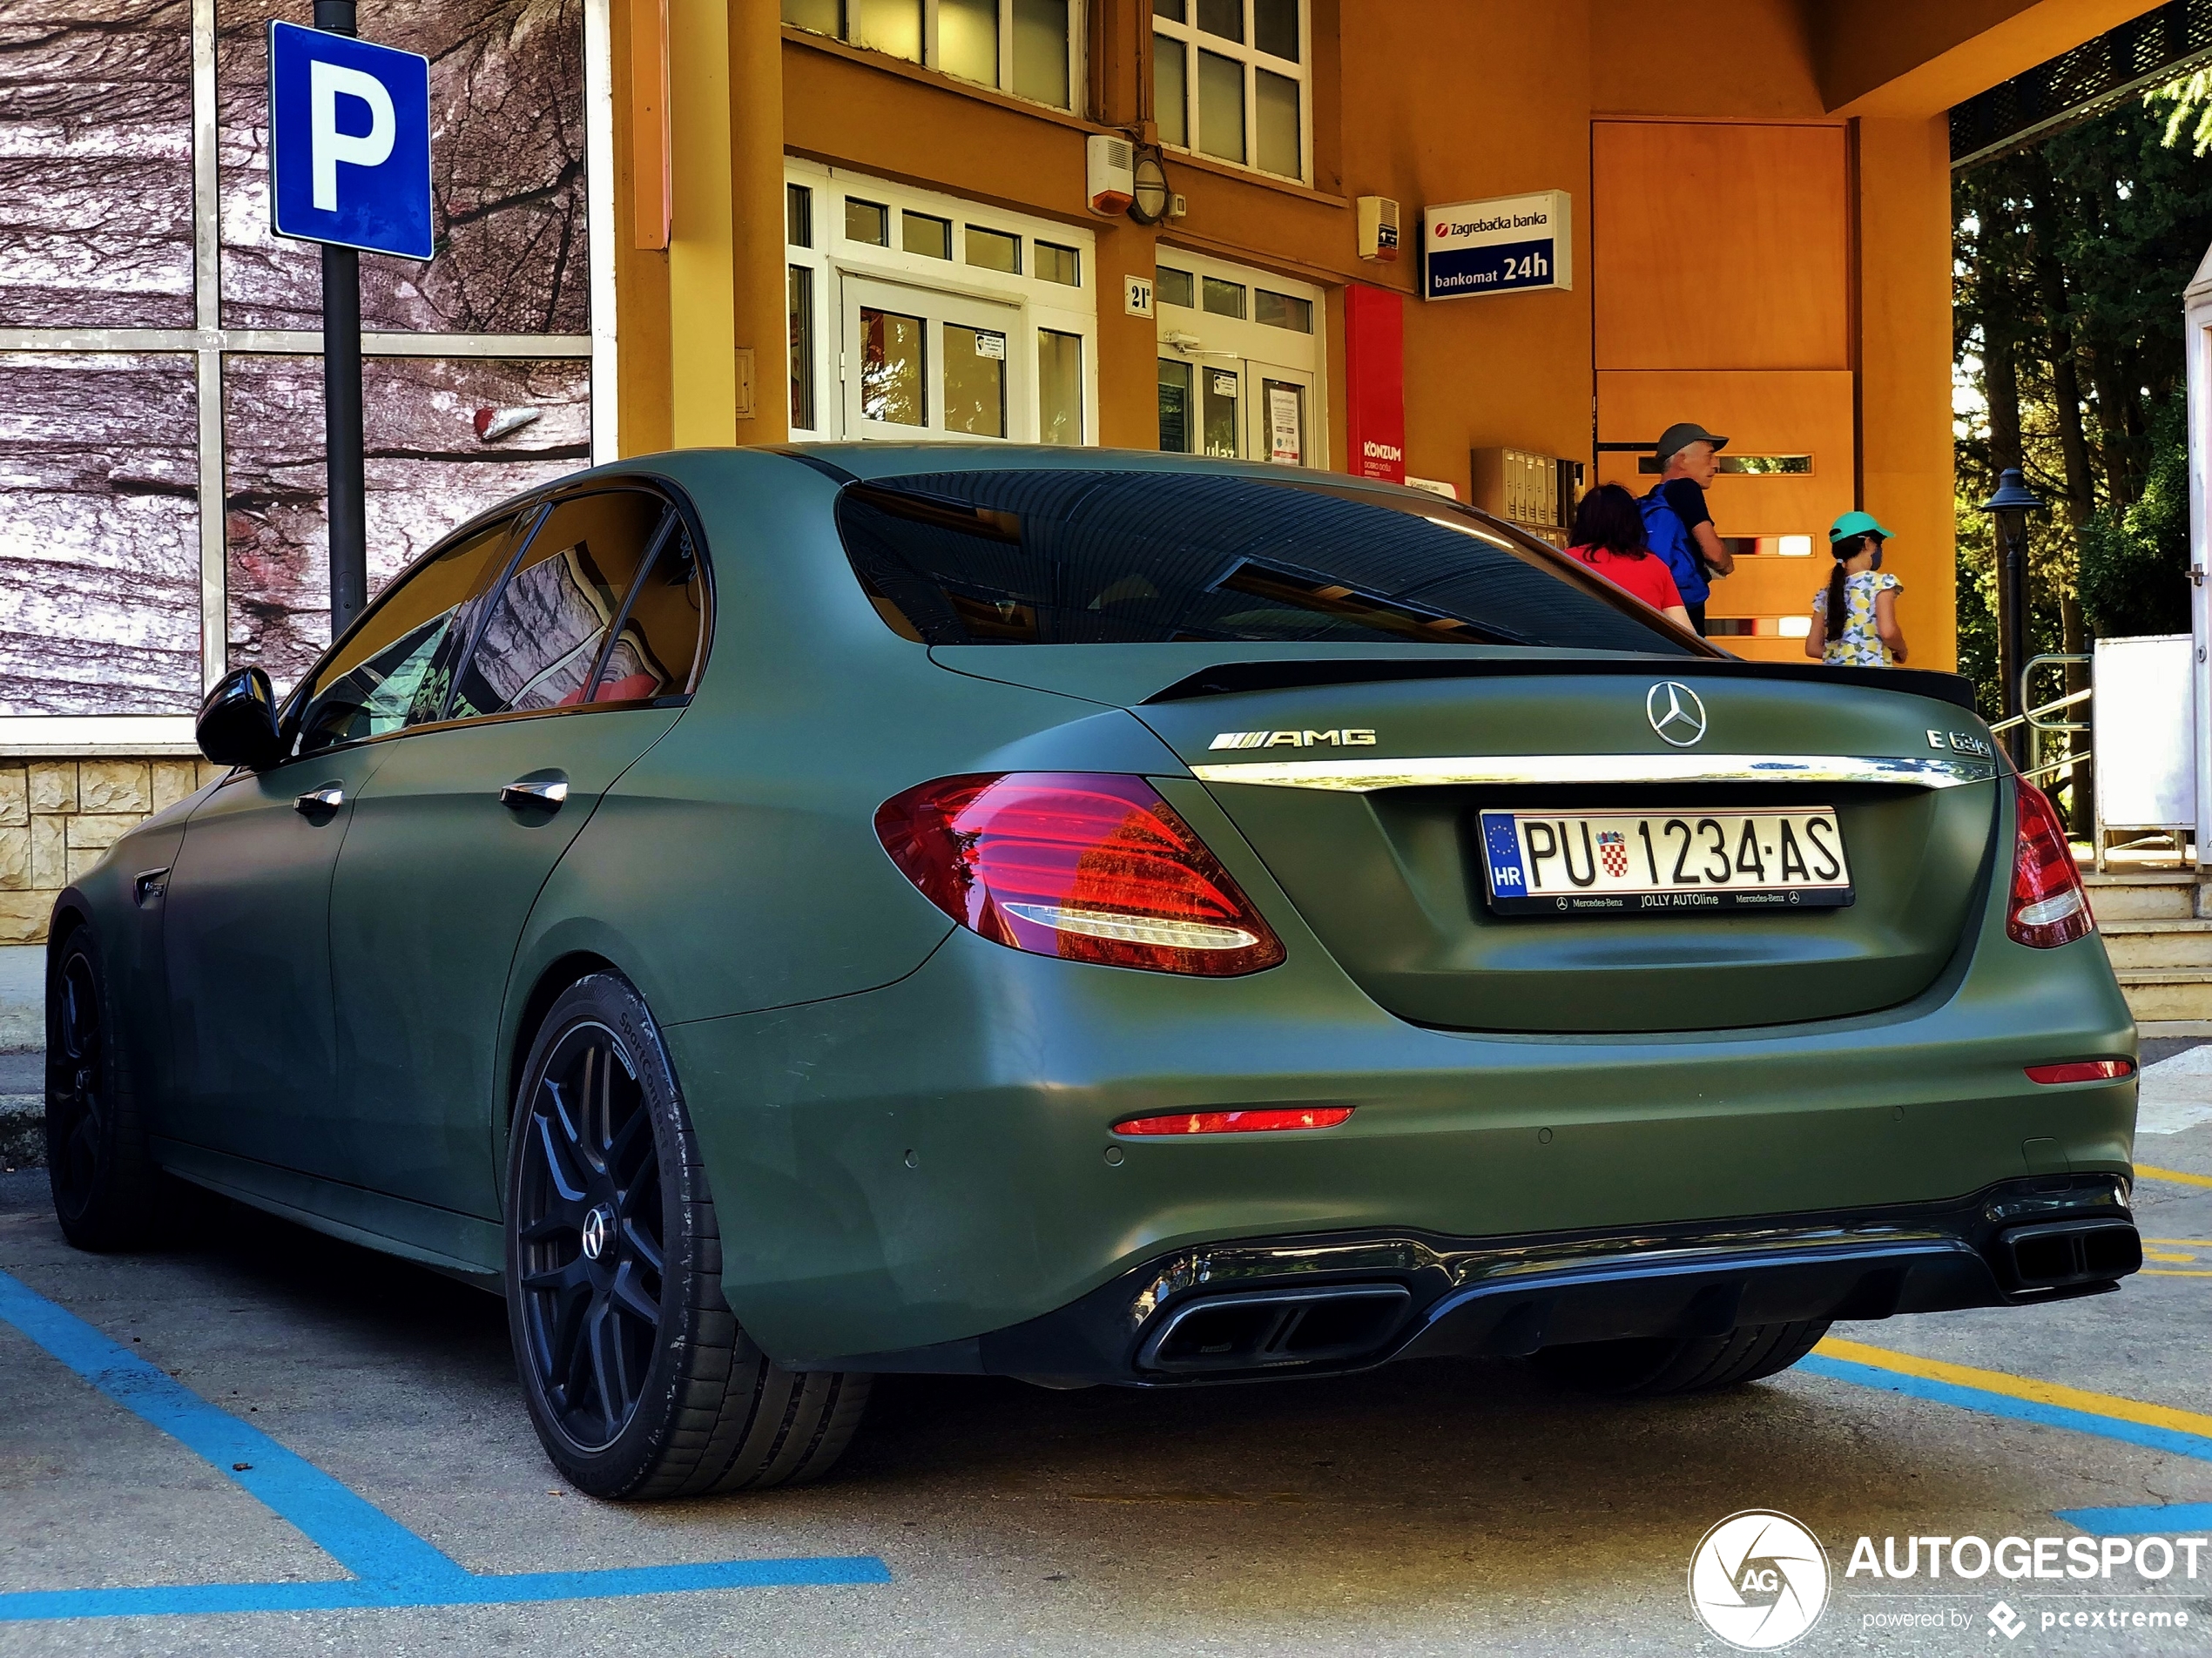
[1317, 1116]
[2048, 905]
[1090, 866]
[2082, 1070]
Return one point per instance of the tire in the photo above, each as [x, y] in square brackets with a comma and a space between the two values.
[98, 1163]
[1651, 1367]
[639, 1379]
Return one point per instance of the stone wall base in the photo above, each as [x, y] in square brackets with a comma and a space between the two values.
[58, 817]
[23, 1131]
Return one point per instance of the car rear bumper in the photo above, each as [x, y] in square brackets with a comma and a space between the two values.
[1262, 1308]
[935, 1159]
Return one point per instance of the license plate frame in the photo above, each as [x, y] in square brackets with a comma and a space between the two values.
[1521, 879]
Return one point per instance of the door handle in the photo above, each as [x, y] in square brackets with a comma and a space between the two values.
[534, 791]
[324, 799]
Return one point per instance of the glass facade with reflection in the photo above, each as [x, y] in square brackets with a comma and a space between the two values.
[161, 506]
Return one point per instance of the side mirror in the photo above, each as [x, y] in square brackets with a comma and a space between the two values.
[238, 722]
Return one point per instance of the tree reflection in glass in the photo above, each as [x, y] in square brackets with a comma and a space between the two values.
[893, 366]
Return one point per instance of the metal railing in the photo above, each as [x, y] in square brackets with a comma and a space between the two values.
[2035, 718]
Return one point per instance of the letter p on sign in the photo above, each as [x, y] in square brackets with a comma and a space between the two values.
[325, 82]
[349, 143]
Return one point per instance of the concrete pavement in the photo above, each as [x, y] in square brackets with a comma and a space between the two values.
[1446, 1506]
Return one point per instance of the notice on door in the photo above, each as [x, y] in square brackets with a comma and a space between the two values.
[1285, 425]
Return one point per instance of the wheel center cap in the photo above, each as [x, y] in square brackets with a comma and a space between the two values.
[598, 1229]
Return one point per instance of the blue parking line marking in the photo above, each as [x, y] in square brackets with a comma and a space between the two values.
[358, 1535]
[391, 1566]
[1974, 1398]
[2164, 1519]
[467, 1588]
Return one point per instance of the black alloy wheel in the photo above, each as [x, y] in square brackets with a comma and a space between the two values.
[99, 1165]
[588, 1218]
[640, 1382]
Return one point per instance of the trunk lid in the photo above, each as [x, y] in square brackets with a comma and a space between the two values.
[1362, 797]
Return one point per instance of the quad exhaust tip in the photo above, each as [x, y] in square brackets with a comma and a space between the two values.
[2060, 1254]
[1259, 1332]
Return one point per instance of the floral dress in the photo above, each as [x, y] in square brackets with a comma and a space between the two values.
[1861, 645]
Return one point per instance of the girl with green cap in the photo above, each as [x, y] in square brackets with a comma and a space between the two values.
[1857, 611]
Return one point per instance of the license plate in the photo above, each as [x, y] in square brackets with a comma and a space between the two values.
[1653, 863]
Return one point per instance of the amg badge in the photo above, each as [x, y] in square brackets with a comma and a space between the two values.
[1348, 737]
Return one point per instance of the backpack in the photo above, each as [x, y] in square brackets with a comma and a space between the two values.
[1670, 538]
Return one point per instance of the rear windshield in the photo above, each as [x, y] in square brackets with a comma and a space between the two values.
[1084, 557]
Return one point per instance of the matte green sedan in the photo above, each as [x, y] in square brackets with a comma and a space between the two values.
[783, 918]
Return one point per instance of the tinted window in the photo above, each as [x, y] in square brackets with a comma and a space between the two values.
[393, 671]
[658, 641]
[1068, 557]
[541, 638]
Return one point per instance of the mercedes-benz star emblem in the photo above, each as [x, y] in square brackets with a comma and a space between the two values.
[598, 1226]
[1675, 713]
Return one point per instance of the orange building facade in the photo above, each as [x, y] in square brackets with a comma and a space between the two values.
[677, 222]
[844, 219]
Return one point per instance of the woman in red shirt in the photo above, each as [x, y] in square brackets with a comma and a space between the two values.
[1608, 537]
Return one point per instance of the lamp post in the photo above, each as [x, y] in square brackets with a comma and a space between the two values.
[2009, 509]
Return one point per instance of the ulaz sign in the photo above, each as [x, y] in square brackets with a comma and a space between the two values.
[1506, 245]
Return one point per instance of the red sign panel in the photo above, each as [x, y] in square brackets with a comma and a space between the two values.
[1375, 362]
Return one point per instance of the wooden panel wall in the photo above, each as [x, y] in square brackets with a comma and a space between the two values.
[1722, 295]
[1720, 246]
[1803, 413]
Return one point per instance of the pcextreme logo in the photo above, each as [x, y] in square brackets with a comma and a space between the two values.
[1758, 1580]
[1350, 736]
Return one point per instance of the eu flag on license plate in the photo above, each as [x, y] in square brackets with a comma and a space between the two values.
[1501, 845]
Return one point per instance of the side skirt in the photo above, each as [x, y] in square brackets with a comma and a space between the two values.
[461, 1246]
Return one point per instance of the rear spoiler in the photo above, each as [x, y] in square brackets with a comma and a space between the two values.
[1227, 678]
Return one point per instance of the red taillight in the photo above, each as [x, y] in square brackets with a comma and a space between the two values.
[2082, 1070]
[1317, 1116]
[1091, 866]
[2048, 906]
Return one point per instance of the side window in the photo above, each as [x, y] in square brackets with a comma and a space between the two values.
[658, 641]
[543, 634]
[393, 671]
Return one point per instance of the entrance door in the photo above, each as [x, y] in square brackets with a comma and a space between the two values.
[1239, 362]
[921, 364]
[246, 928]
[580, 663]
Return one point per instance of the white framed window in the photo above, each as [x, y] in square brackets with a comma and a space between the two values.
[1030, 48]
[1242, 361]
[916, 316]
[1231, 80]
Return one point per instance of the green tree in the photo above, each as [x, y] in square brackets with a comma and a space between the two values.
[2071, 257]
[2135, 559]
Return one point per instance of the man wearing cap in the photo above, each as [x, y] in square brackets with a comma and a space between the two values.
[1854, 614]
[1688, 457]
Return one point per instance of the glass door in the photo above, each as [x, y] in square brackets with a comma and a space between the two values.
[1199, 402]
[921, 364]
[1239, 362]
[1237, 409]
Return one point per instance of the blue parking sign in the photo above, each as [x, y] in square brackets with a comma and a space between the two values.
[349, 142]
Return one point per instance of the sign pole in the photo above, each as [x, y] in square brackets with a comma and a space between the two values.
[341, 401]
